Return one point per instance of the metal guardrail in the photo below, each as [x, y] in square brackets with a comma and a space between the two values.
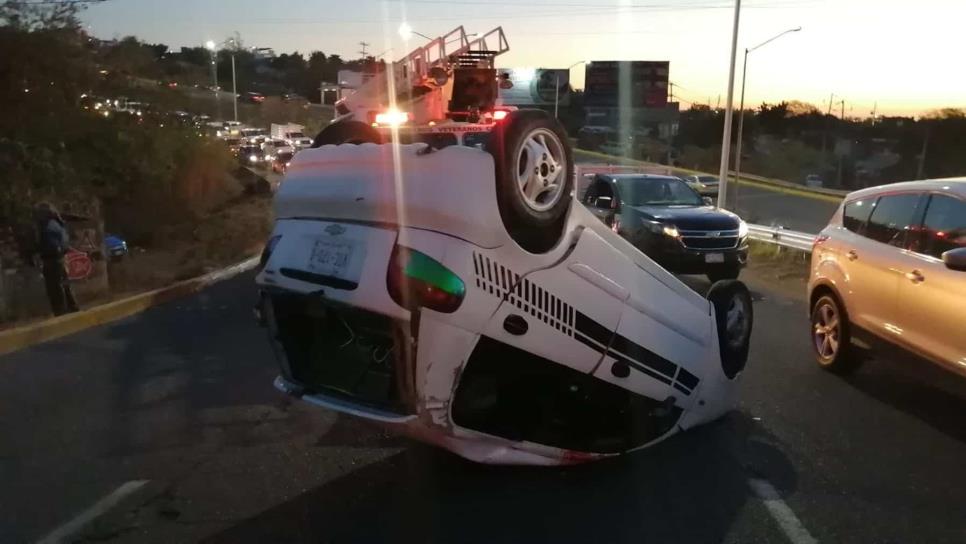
[781, 236]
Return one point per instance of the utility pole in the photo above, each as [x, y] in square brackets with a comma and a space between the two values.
[234, 86]
[670, 92]
[825, 132]
[363, 51]
[729, 111]
[875, 106]
[920, 173]
[842, 120]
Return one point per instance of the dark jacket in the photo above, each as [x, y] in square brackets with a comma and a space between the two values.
[53, 237]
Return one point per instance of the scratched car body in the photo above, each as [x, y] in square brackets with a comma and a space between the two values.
[394, 289]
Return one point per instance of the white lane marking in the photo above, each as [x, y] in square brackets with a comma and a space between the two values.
[786, 518]
[68, 530]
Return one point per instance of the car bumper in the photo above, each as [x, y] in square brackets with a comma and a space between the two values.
[675, 257]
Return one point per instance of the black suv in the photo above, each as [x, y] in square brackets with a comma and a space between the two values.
[671, 223]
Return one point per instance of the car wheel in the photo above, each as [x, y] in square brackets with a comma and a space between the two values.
[831, 337]
[534, 177]
[347, 132]
[734, 317]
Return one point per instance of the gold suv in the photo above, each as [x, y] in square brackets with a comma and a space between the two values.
[891, 265]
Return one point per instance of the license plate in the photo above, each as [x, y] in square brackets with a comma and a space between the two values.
[714, 257]
[333, 257]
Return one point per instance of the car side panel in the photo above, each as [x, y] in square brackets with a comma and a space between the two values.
[931, 320]
[571, 308]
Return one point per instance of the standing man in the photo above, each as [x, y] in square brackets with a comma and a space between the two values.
[53, 244]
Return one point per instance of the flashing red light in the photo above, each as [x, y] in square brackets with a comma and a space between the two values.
[500, 115]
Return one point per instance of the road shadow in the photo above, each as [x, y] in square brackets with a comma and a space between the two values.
[933, 395]
[689, 488]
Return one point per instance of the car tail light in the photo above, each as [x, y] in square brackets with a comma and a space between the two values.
[417, 280]
[499, 115]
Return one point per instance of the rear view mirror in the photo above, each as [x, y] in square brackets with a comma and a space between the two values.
[955, 259]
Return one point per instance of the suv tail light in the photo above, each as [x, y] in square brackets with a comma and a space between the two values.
[417, 280]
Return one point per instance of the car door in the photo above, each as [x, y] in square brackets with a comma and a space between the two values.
[932, 297]
[870, 259]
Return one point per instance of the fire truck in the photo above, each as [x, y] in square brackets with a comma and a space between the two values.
[442, 93]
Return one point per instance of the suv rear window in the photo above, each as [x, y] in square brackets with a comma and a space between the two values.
[891, 218]
[944, 227]
[856, 214]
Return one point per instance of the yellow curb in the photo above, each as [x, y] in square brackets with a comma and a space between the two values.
[741, 181]
[29, 335]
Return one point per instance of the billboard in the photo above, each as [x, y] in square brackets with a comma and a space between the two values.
[644, 81]
[536, 87]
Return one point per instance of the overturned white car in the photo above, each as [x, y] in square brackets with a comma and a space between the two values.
[465, 298]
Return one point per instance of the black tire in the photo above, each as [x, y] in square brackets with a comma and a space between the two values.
[536, 225]
[347, 132]
[724, 273]
[832, 346]
[732, 300]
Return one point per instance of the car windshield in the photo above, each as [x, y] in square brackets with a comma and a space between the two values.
[657, 192]
[285, 156]
[707, 179]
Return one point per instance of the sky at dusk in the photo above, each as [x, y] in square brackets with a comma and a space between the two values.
[905, 56]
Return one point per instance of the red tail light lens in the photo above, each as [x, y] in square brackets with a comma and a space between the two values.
[417, 280]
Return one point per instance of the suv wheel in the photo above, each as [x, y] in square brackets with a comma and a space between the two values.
[831, 339]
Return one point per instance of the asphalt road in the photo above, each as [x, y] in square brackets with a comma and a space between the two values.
[181, 395]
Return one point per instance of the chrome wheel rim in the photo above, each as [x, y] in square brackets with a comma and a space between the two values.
[826, 331]
[541, 170]
[736, 322]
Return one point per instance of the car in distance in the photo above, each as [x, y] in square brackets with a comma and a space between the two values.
[281, 161]
[495, 317]
[890, 268]
[253, 97]
[272, 147]
[250, 155]
[706, 185]
[814, 181]
[671, 223]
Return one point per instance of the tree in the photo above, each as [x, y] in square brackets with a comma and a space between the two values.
[46, 15]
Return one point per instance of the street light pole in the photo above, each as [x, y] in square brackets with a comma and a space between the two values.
[726, 137]
[741, 107]
[210, 45]
[234, 86]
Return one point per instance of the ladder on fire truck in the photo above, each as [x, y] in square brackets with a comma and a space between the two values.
[478, 52]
